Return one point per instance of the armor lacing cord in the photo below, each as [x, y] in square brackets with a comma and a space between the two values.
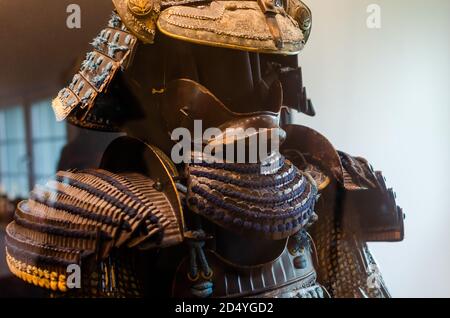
[200, 273]
[302, 241]
[196, 243]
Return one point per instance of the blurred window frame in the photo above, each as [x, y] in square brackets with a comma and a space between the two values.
[29, 141]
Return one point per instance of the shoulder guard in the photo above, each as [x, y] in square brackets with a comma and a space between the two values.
[367, 198]
[80, 217]
[127, 154]
[112, 51]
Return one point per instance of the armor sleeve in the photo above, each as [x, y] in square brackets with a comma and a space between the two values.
[356, 207]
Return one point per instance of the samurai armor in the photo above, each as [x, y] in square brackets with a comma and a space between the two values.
[180, 208]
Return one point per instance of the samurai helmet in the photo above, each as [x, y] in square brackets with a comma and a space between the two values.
[263, 26]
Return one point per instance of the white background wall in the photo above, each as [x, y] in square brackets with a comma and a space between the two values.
[384, 94]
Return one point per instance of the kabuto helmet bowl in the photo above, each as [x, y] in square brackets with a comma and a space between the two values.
[263, 26]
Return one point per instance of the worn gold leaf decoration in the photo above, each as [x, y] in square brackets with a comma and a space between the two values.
[140, 7]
